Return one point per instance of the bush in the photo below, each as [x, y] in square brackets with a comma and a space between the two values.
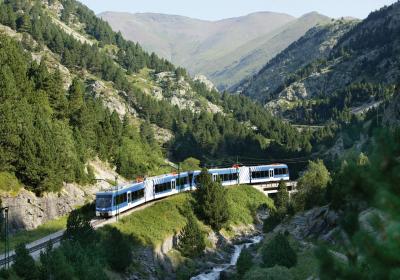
[312, 186]
[186, 270]
[118, 250]
[24, 265]
[279, 252]
[9, 183]
[274, 219]
[244, 262]
[79, 228]
[273, 273]
[190, 164]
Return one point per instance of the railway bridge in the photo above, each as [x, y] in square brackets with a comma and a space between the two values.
[271, 188]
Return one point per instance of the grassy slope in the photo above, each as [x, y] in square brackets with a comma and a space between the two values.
[152, 225]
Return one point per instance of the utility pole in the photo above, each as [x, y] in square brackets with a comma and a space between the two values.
[4, 225]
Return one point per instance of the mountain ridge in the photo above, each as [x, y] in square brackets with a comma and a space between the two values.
[206, 47]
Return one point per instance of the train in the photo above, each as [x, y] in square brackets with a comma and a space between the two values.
[122, 198]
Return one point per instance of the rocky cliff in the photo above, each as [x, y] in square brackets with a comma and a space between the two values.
[28, 211]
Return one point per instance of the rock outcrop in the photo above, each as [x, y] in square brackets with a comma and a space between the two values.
[320, 223]
[28, 211]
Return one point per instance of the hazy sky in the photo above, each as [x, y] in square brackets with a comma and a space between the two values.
[218, 9]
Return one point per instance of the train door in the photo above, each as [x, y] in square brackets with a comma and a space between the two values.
[215, 177]
[271, 173]
[190, 178]
[173, 184]
[129, 194]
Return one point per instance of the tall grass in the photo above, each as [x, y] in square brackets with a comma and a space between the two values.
[152, 225]
[28, 236]
[243, 202]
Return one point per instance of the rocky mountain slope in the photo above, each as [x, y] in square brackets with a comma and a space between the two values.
[225, 51]
[94, 94]
[347, 66]
[316, 44]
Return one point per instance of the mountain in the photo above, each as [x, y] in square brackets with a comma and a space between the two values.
[72, 91]
[225, 51]
[345, 67]
[316, 44]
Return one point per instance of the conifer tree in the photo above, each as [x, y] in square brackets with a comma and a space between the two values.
[282, 197]
[24, 265]
[279, 252]
[211, 201]
[191, 238]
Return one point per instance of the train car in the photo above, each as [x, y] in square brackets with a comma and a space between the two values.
[162, 186]
[129, 196]
[120, 199]
[268, 173]
[227, 176]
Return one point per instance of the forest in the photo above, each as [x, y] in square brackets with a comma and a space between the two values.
[43, 118]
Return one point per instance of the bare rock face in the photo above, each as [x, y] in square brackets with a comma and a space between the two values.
[27, 211]
[320, 223]
[391, 117]
[203, 79]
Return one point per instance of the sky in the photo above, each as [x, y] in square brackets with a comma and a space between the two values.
[219, 9]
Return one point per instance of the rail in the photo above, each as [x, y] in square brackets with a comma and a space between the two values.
[97, 223]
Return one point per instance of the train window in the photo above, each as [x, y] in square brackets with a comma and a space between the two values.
[234, 176]
[137, 195]
[281, 171]
[119, 199]
[103, 201]
[259, 174]
[162, 187]
[180, 182]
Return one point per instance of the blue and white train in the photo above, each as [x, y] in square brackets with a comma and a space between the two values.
[117, 200]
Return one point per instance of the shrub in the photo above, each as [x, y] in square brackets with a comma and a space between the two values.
[24, 265]
[244, 262]
[279, 252]
[9, 183]
[273, 273]
[118, 250]
[312, 185]
[79, 228]
[272, 221]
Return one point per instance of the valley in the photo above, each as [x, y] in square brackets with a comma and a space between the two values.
[226, 51]
[165, 104]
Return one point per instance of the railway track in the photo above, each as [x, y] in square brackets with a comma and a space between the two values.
[37, 246]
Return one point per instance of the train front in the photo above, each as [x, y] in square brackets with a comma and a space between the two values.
[104, 204]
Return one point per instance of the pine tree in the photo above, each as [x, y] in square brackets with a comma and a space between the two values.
[79, 229]
[244, 262]
[24, 265]
[282, 197]
[279, 252]
[191, 238]
[211, 201]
